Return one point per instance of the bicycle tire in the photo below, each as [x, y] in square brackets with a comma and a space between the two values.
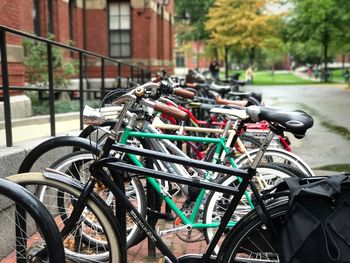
[76, 164]
[145, 142]
[289, 168]
[111, 247]
[239, 242]
[39, 230]
[277, 155]
[216, 202]
[58, 142]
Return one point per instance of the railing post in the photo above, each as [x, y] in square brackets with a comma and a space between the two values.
[51, 90]
[119, 77]
[6, 89]
[132, 75]
[103, 91]
[81, 90]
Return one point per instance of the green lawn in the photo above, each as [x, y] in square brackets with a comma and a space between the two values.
[266, 78]
[337, 75]
[285, 78]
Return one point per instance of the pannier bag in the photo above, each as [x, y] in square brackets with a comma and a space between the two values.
[317, 224]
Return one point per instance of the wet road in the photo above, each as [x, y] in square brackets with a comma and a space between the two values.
[328, 141]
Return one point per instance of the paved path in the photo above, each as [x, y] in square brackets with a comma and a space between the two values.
[328, 142]
[39, 128]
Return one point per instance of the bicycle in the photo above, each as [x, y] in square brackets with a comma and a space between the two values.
[28, 233]
[128, 133]
[281, 123]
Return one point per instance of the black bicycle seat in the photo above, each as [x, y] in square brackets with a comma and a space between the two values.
[219, 88]
[296, 122]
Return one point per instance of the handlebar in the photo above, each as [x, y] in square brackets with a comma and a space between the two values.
[171, 111]
[184, 93]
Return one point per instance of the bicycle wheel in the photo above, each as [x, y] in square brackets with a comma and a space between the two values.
[267, 176]
[77, 165]
[60, 195]
[276, 155]
[251, 240]
[27, 228]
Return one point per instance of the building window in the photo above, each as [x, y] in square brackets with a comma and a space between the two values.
[36, 17]
[119, 29]
[180, 60]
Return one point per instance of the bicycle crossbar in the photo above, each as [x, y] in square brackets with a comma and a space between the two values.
[195, 181]
[181, 160]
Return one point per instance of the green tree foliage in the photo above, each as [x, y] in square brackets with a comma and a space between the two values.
[195, 11]
[274, 52]
[309, 52]
[319, 24]
[241, 23]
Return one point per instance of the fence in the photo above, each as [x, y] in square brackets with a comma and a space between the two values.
[136, 73]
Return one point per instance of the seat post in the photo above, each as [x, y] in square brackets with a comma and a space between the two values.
[262, 149]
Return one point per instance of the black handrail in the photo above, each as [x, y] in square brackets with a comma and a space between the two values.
[144, 76]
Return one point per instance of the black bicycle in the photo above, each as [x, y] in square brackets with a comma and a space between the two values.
[27, 232]
[87, 216]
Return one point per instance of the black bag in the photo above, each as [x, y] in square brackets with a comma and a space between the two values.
[317, 225]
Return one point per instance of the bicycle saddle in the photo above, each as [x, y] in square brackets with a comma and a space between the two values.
[240, 93]
[219, 88]
[296, 122]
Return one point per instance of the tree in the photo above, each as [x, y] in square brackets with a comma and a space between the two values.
[190, 17]
[274, 52]
[322, 22]
[195, 12]
[309, 52]
[241, 23]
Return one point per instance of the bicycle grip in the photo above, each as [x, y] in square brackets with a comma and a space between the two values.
[171, 111]
[184, 93]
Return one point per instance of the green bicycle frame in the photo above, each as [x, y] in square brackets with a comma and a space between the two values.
[220, 142]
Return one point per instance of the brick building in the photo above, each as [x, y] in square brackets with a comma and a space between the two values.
[133, 31]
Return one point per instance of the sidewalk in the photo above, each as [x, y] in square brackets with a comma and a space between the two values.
[39, 128]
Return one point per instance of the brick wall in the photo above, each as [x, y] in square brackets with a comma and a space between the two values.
[21, 19]
[151, 30]
[97, 31]
[61, 21]
[151, 40]
[141, 35]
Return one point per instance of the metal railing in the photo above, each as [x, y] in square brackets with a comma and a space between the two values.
[143, 75]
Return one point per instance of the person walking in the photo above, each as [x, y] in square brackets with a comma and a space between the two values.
[249, 74]
[346, 76]
[214, 69]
